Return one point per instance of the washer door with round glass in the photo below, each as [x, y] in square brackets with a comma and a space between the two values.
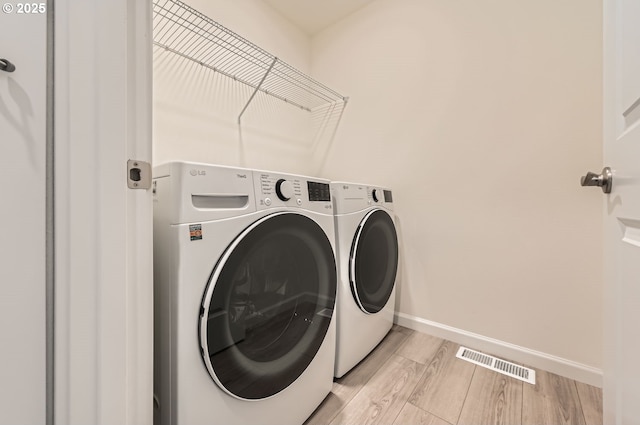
[373, 262]
[268, 306]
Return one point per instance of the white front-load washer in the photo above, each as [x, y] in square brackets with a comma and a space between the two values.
[367, 253]
[245, 283]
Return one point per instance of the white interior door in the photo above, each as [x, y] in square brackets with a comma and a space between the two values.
[622, 211]
[22, 215]
[103, 229]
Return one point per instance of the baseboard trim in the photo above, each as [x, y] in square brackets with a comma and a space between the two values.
[536, 359]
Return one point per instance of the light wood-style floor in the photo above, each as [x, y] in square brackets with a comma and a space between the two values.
[415, 379]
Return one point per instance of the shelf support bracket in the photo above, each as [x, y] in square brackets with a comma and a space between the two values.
[264, 77]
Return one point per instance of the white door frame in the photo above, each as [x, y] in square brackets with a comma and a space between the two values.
[103, 370]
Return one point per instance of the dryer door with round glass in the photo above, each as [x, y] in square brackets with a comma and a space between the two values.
[373, 261]
[268, 306]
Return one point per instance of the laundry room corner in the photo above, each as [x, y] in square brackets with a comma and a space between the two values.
[482, 116]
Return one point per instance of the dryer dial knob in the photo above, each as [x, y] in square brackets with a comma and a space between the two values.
[284, 189]
[374, 195]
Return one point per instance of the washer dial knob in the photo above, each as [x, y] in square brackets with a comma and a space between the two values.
[374, 195]
[284, 189]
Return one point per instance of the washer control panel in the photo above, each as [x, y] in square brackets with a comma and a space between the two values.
[285, 189]
[282, 189]
[319, 191]
[276, 187]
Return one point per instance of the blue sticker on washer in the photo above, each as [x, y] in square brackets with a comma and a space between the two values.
[195, 232]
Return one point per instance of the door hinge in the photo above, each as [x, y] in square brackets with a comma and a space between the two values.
[138, 174]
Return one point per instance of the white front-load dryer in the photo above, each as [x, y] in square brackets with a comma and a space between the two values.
[245, 284]
[367, 253]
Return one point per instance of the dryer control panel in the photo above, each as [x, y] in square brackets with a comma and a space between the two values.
[354, 197]
[380, 195]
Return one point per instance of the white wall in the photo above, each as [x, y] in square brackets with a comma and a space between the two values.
[196, 110]
[481, 116]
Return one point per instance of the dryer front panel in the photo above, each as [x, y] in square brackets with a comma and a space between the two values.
[373, 261]
[268, 305]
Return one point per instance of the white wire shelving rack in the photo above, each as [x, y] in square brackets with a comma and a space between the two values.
[187, 33]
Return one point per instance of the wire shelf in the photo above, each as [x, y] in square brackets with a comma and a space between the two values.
[183, 31]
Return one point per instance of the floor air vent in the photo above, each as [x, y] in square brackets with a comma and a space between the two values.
[506, 368]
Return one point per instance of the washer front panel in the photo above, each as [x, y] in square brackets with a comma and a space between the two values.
[268, 305]
[373, 262]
